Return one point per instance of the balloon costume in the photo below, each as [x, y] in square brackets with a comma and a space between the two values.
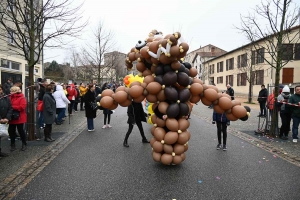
[171, 86]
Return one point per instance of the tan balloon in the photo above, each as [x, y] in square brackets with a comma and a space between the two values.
[106, 101]
[183, 138]
[151, 98]
[172, 124]
[113, 106]
[153, 118]
[162, 107]
[178, 149]
[148, 79]
[239, 111]
[166, 159]
[211, 94]
[153, 88]
[196, 80]
[134, 83]
[213, 87]
[177, 160]
[159, 133]
[171, 137]
[183, 156]
[139, 99]
[196, 89]
[107, 92]
[161, 96]
[144, 85]
[136, 91]
[147, 72]
[205, 101]
[152, 130]
[120, 88]
[225, 103]
[160, 122]
[125, 103]
[175, 65]
[226, 95]
[193, 72]
[186, 147]
[231, 117]
[183, 124]
[235, 102]
[131, 56]
[156, 156]
[168, 148]
[195, 99]
[158, 147]
[120, 96]
[218, 109]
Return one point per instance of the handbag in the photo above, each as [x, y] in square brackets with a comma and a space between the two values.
[3, 130]
[94, 105]
[15, 115]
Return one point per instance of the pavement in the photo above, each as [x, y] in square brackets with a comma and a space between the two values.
[95, 165]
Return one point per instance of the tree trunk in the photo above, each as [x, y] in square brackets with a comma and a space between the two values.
[250, 92]
[274, 122]
[30, 104]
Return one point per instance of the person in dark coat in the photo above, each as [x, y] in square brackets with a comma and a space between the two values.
[106, 112]
[262, 99]
[7, 86]
[5, 112]
[89, 112]
[222, 123]
[230, 91]
[42, 85]
[49, 112]
[19, 104]
[136, 115]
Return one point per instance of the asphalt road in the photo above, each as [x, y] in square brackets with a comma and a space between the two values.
[96, 166]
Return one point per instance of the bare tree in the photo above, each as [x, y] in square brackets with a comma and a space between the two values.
[31, 25]
[93, 54]
[273, 34]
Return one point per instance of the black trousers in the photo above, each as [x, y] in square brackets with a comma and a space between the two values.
[140, 126]
[81, 102]
[12, 132]
[107, 116]
[262, 105]
[48, 130]
[70, 108]
[222, 127]
[285, 124]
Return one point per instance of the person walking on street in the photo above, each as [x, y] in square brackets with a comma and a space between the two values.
[19, 104]
[90, 114]
[136, 115]
[222, 123]
[61, 103]
[295, 99]
[230, 91]
[72, 94]
[5, 112]
[7, 86]
[106, 112]
[262, 99]
[49, 112]
[82, 89]
[285, 113]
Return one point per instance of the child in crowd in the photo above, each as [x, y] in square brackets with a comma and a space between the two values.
[222, 123]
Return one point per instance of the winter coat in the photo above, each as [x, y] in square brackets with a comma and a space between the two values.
[230, 92]
[295, 99]
[60, 97]
[135, 112]
[49, 111]
[41, 92]
[72, 92]
[262, 96]
[18, 102]
[270, 102]
[97, 91]
[6, 88]
[88, 98]
[83, 90]
[78, 95]
[5, 108]
[217, 117]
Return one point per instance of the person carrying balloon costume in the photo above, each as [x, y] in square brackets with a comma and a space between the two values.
[222, 123]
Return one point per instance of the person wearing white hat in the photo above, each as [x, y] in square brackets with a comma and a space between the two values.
[295, 99]
[285, 113]
[230, 91]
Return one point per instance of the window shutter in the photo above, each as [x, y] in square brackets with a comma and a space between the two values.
[226, 65]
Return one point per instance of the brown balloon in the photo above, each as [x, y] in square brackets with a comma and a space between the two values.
[120, 96]
[136, 91]
[131, 56]
[159, 133]
[172, 124]
[107, 92]
[168, 148]
[205, 101]
[166, 159]
[152, 130]
[186, 147]
[239, 111]
[178, 149]
[183, 156]
[177, 160]
[144, 52]
[196, 80]
[226, 95]
[156, 156]
[153, 88]
[161, 96]
[225, 103]
[196, 88]
[175, 65]
[158, 147]
[126, 103]
[231, 117]
[183, 138]
[211, 94]
[147, 72]
[235, 102]
[114, 106]
[195, 98]
[148, 79]
[106, 101]
[160, 122]
[183, 124]
[152, 140]
[154, 61]
[218, 109]
[193, 72]
[174, 51]
[162, 107]
[139, 99]
[151, 98]
[140, 66]
[120, 88]
[171, 137]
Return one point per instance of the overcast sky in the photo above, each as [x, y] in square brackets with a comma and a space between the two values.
[201, 22]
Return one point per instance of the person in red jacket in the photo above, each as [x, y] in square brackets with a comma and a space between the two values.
[72, 94]
[18, 103]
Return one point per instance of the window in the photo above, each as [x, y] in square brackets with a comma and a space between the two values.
[4, 63]
[15, 65]
[260, 55]
[10, 64]
[10, 36]
[220, 67]
[211, 69]
[287, 53]
[297, 51]
[242, 79]
[253, 58]
[230, 63]
[244, 60]
[258, 77]
[229, 80]
[219, 79]
[26, 68]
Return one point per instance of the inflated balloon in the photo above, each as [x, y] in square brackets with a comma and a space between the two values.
[183, 79]
[162, 107]
[183, 109]
[120, 96]
[225, 103]
[184, 95]
[159, 133]
[107, 92]
[183, 124]
[158, 147]
[171, 93]
[156, 156]
[120, 88]
[151, 98]
[171, 137]
[168, 148]
[161, 96]
[170, 78]
[139, 99]
[177, 159]
[195, 99]
[231, 117]
[126, 103]
[183, 138]
[136, 91]
[178, 149]
[148, 79]
[153, 88]
[196, 89]
[159, 79]
[239, 111]
[160, 122]
[166, 159]
[106, 101]
[172, 124]
[205, 101]
[218, 109]
[211, 94]
[173, 110]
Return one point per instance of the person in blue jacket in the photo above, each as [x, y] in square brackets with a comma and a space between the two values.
[222, 123]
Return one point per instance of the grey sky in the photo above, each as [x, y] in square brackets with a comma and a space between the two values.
[201, 22]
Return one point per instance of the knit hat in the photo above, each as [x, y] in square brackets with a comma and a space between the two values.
[286, 89]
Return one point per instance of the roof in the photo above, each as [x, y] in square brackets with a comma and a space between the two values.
[229, 52]
[208, 54]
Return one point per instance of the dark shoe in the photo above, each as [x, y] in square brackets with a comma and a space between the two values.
[24, 147]
[284, 138]
[48, 139]
[219, 146]
[12, 147]
[224, 147]
[145, 141]
[125, 144]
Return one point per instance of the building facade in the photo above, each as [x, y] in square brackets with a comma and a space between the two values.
[253, 62]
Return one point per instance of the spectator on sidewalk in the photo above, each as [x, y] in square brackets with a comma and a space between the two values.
[7, 86]
[83, 89]
[72, 94]
[230, 91]
[285, 113]
[19, 117]
[77, 98]
[222, 123]
[61, 103]
[5, 112]
[295, 99]
[136, 115]
[90, 114]
[40, 106]
[262, 99]
[49, 112]
[270, 102]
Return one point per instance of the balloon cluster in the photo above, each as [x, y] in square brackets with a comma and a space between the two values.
[171, 86]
